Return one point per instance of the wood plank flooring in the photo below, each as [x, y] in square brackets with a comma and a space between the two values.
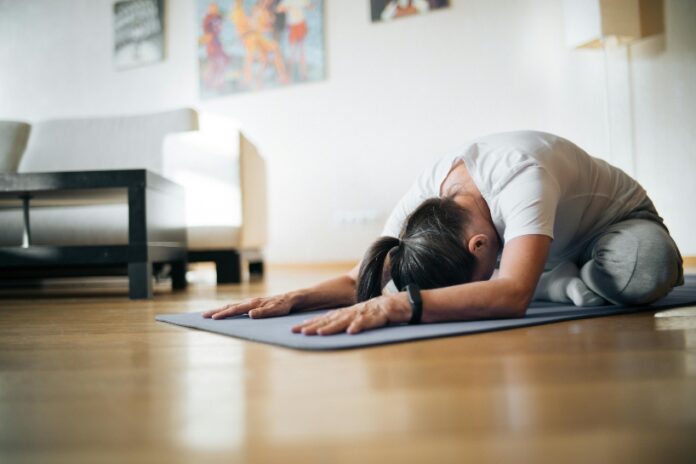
[87, 376]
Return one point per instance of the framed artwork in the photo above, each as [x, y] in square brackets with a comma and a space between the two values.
[387, 10]
[248, 45]
[138, 32]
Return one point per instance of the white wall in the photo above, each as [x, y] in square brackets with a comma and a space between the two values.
[664, 111]
[397, 96]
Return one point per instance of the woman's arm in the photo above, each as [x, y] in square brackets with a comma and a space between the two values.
[339, 291]
[506, 296]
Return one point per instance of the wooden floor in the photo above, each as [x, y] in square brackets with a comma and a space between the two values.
[89, 377]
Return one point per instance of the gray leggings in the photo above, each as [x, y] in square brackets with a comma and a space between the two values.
[633, 262]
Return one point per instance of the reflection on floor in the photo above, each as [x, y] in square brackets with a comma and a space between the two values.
[87, 376]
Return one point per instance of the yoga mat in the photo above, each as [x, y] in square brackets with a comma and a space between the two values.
[276, 330]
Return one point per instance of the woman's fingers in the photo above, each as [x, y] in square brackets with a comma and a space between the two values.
[352, 320]
[256, 308]
[367, 321]
[357, 325]
[328, 324]
[298, 328]
[232, 309]
[334, 326]
[269, 309]
[210, 312]
[213, 312]
[309, 326]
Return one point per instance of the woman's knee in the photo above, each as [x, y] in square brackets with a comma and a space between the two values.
[611, 264]
[636, 262]
[658, 270]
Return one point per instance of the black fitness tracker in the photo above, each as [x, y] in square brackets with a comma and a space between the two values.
[414, 298]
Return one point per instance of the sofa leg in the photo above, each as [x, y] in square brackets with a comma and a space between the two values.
[178, 274]
[140, 280]
[256, 269]
[228, 266]
[228, 263]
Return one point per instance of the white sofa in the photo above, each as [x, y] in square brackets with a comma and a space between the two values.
[13, 141]
[220, 169]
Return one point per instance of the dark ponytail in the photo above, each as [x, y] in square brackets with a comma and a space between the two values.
[371, 269]
[431, 251]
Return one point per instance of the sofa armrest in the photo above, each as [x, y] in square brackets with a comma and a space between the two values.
[207, 165]
[254, 196]
[225, 181]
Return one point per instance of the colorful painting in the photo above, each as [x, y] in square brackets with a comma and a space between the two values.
[247, 45]
[386, 10]
[138, 32]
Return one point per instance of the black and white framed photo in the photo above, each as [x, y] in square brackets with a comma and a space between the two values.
[138, 32]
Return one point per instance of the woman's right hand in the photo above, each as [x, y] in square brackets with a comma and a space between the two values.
[256, 308]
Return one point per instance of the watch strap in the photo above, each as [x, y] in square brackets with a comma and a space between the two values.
[416, 302]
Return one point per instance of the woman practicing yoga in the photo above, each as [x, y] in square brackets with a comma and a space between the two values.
[563, 226]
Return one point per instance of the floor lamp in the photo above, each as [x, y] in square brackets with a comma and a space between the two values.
[612, 26]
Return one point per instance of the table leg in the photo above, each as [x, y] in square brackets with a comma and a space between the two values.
[178, 275]
[26, 235]
[140, 280]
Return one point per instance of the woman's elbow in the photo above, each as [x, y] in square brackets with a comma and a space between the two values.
[518, 311]
[518, 301]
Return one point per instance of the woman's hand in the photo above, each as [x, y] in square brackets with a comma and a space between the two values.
[256, 308]
[369, 314]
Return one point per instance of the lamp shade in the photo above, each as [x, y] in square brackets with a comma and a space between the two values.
[589, 22]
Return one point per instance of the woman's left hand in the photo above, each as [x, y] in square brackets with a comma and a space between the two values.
[369, 314]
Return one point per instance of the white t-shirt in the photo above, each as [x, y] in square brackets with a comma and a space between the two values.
[534, 183]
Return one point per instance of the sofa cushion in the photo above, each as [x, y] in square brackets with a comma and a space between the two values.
[213, 237]
[13, 140]
[120, 142]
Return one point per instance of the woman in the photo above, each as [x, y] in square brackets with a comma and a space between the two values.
[530, 201]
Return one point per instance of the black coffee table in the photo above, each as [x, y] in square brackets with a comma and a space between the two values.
[156, 225]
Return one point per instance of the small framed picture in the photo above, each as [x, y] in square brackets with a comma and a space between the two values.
[387, 10]
[138, 32]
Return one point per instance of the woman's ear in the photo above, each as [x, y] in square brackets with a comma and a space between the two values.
[477, 244]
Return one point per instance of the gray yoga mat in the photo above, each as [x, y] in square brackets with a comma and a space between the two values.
[276, 330]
